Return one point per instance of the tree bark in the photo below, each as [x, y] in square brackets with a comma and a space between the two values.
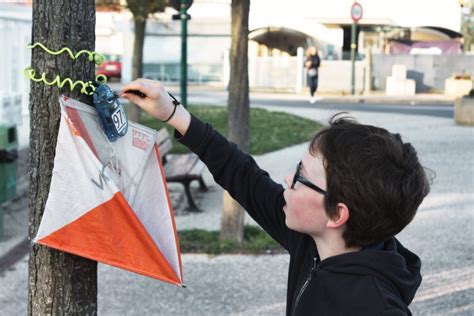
[137, 69]
[232, 217]
[58, 283]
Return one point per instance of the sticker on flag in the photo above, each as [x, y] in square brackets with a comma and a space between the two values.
[119, 119]
[108, 201]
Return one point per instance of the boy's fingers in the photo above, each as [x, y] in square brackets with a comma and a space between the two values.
[136, 85]
[132, 86]
[131, 97]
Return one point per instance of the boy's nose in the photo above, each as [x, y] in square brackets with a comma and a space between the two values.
[289, 180]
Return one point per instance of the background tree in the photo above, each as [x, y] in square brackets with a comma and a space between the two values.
[232, 217]
[58, 283]
[141, 10]
[467, 23]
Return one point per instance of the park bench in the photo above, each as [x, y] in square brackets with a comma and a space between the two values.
[181, 168]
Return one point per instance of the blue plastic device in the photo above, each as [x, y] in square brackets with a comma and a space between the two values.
[111, 113]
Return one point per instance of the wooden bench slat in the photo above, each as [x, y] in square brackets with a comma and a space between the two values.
[192, 175]
[162, 135]
[197, 169]
[165, 147]
[181, 164]
[182, 168]
[164, 142]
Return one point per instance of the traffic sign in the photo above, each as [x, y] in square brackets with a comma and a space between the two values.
[176, 4]
[356, 11]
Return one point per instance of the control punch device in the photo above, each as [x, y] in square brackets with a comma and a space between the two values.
[111, 113]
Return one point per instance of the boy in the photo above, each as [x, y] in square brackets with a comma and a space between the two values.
[355, 188]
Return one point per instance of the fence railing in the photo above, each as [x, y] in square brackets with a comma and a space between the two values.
[269, 73]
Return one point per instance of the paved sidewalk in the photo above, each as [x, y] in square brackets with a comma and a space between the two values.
[441, 234]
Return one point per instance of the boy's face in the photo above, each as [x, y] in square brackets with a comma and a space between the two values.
[304, 209]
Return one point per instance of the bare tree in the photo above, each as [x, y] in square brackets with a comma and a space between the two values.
[232, 218]
[58, 283]
[141, 10]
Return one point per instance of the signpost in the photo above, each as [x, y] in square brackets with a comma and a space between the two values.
[356, 15]
[182, 7]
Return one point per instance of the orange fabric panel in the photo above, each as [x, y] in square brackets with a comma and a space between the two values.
[112, 233]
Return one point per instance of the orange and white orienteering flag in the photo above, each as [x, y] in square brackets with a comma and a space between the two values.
[109, 201]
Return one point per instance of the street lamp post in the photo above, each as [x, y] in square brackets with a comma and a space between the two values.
[356, 15]
[182, 7]
[184, 52]
[353, 55]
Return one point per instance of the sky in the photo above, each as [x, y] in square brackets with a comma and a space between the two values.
[444, 13]
[415, 12]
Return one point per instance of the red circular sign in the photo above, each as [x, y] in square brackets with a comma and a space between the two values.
[356, 11]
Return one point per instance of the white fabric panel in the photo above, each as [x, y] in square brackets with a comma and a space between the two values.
[154, 212]
[72, 192]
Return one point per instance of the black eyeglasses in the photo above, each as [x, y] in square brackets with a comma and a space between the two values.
[306, 182]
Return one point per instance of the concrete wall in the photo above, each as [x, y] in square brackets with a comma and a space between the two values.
[335, 76]
[429, 71]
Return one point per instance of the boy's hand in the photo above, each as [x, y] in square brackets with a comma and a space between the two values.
[152, 97]
[155, 100]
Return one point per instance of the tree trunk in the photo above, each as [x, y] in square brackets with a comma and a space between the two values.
[232, 217]
[58, 283]
[137, 69]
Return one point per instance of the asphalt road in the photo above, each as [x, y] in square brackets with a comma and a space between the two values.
[219, 97]
[334, 104]
[426, 109]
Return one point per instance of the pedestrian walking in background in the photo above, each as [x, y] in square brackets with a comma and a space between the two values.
[312, 64]
[355, 188]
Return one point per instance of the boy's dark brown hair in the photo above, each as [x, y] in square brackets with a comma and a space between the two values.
[375, 174]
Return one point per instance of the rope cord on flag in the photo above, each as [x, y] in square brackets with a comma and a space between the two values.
[88, 87]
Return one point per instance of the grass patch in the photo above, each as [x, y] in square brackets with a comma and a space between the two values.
[269, 131]
[256, 241]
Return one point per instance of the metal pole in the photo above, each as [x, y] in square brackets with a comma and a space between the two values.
[353, 55]
[368, 70]
[184, 53]
[1, 221]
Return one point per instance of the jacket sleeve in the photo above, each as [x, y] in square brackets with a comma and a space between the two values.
[394, 312]
[239, 174]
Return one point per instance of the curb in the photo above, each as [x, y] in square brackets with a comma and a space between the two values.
[390, 101]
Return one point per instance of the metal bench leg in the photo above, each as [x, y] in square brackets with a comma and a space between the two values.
[202, 185]
[192, 206]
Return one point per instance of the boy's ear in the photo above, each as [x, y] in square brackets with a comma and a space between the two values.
[340, 218]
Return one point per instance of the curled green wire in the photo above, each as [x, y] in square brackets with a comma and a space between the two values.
[93, 56]
[87, 87]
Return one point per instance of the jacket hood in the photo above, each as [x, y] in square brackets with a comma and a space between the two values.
[392, 263]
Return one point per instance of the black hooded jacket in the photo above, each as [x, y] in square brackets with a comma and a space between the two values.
[377, 280]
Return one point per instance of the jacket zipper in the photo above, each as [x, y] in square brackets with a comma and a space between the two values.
[305, 284]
